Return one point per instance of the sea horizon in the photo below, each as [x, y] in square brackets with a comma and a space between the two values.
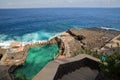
[59, 39]
[31, 24]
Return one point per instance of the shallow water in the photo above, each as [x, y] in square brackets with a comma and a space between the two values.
[37, 58]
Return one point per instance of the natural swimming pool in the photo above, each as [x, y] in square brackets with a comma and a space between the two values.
[37, 58]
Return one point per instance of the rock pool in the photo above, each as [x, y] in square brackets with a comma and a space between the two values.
[36, 59]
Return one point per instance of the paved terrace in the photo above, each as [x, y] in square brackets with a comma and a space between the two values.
[50, 70]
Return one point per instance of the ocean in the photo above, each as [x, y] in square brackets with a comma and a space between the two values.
[43, 23]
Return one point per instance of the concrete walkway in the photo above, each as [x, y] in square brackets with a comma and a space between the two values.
[49, 71]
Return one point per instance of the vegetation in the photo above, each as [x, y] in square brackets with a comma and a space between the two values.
[86, 51]
[109, 64]
[111, 67]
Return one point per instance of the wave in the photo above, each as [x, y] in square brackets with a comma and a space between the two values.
[107, 28]
[6, 44]
[39, 36]
[30, 38]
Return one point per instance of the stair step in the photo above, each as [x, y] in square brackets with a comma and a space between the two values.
[78, 76]
[66, 77]
[84, 73]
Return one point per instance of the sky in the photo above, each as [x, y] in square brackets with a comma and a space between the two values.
[58, 3]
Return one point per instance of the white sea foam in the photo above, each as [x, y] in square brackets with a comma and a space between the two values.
[6, 44]
[109, 28]
[35, 37]
[30, 38]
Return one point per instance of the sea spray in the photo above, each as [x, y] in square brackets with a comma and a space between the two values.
[39, 35]
[33, 39]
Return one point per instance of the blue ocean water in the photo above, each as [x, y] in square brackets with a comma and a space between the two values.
[43, 23]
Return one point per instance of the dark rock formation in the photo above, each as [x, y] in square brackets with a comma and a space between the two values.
[75, 34]
[1, 56]
[60, 45]
[80, 37]
[93, 38]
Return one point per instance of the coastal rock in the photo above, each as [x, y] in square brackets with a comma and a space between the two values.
[94, 37]
[87, 38]
[60, 45]
[4, 74]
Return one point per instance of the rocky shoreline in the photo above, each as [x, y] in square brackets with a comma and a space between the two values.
[75, 39]
[90, 38]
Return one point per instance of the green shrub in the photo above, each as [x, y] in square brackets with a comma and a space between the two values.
[111, 67]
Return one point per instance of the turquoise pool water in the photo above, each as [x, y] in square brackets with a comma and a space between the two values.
[37, 58]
